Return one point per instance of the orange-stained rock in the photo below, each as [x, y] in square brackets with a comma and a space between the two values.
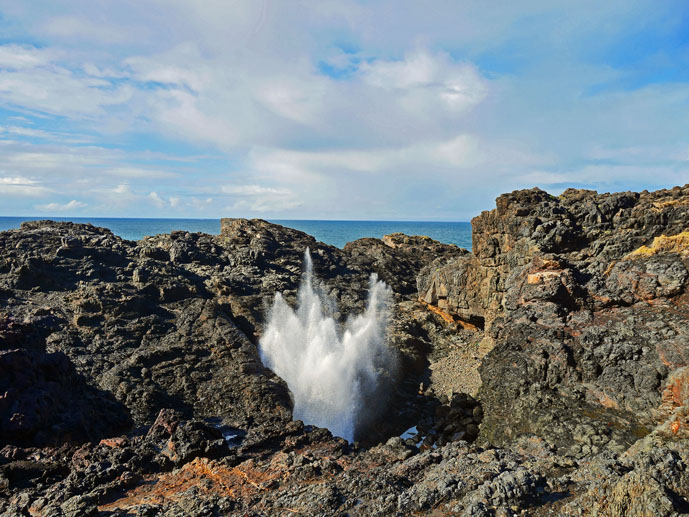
[673, 414]
[676, 392]
[449, 318]
[664, 244]
[541, 276]
[114, 442]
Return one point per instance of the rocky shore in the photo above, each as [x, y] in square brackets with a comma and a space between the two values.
[546, 372]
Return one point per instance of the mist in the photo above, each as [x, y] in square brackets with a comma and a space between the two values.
[332, 370]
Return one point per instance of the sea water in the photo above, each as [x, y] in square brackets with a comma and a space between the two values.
[335, 233]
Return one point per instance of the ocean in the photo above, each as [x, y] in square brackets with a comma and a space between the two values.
[335, 233]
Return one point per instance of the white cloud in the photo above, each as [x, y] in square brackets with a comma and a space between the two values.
[463, 152]
[200, 204]
[256, 198]
[424, 79]
[137, 172]
[230, 101]
[42, 80]
[122, 190]
[35, 159]
[17, 57]
[296, 100]
[62, 207]
[157, 200]
[76, 27]
[181, 66]
[252, 190]
[19, 186]
[25, 131]
[607, 176]
[161, 203]
[54, 136]
[343, 107]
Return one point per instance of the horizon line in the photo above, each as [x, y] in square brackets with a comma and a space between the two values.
[269, 219]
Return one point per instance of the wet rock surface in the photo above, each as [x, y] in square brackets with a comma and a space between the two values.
[131, 384]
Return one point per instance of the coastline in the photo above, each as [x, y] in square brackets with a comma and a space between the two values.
[133, 382]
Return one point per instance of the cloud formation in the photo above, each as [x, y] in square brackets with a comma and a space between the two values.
[340, 109]
[72, 206]
[19, 186]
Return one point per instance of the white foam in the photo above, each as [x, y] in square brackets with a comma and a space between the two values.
[328, 370]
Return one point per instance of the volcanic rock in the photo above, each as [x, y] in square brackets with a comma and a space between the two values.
[131, 383]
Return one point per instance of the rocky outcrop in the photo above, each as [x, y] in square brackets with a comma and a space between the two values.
[590, 230]
[45, 401]
[135, 323]
[398, 258]
[130, 381]
[585, 297]
[170, 321]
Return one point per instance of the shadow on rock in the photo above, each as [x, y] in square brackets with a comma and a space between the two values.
[44, 401]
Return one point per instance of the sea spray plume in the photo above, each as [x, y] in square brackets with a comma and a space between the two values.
[329, 373]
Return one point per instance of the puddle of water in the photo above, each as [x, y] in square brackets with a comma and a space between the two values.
[232, 435]
[409, 433]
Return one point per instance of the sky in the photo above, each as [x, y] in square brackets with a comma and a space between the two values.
[336, 109]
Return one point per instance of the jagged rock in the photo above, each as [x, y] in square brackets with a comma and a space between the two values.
[592, 231]
[132, 382]
[584, 296]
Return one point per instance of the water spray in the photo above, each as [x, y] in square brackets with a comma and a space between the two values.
[331, 371]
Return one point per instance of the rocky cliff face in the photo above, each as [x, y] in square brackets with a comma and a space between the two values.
[585, 298]
[588, 229]
[546, 372]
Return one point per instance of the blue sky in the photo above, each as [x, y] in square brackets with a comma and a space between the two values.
[393, 110]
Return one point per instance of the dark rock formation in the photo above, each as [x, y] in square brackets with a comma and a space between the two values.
[169, 322]
[145, 330]
[585, 297]
[130, 381]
